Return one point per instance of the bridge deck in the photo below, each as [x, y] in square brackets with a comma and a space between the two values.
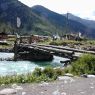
[53, 49]
[69, 49]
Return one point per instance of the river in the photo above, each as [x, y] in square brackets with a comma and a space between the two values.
[23, 67]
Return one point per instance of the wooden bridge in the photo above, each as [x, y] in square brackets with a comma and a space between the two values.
[47, 51]
[55, 51]
[69, 49]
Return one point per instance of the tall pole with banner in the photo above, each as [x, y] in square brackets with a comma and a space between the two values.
[15, 44]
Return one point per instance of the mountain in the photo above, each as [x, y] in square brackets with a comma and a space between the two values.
[88, 23]
[56, 19]
[30, 22]
[74, 24]
[38, 20]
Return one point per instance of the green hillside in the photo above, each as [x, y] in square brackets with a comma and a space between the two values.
[37, 20]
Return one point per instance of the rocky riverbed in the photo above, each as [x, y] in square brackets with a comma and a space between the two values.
[63, 86]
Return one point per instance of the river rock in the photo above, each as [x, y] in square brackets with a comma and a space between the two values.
[91, 76]
[56, 92]
[63, 93]
[15, 86]
[23, 93]
[69, 75]
[2, 84]
[19, 88]
[44, 84]
[8, 91]
[84, 75]
[92, 87]
[66, 79]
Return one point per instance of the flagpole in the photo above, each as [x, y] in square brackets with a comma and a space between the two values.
[16, 37]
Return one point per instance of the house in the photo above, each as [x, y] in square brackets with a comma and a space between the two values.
[24, 39]
[38, 38]
[3, 36]
[33, 39]
[56, 37]
[11, 37]
[73, 36]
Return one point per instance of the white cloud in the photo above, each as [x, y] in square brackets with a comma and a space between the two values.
[83, 8]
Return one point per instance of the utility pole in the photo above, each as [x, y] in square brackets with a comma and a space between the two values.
[67, 22]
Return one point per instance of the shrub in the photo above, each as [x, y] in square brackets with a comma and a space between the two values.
[68, 69]
[49, 72]
[84, 65]
[37, 72]
[59, 72]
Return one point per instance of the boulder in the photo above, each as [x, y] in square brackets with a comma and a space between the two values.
[56, 92]
[88, 76]
[8, 91]
[15, 86]
[69, 75]
[84, 75]
[66, 79]
[44, 84]
[91, 76]
[23, 93]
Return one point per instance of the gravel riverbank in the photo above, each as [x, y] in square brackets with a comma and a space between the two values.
[78, 86]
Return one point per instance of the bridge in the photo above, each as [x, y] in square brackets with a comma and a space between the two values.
[52, 50]
[39, 52]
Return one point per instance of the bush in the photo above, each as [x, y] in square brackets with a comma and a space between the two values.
[68, 69]
[37, 72]
[84, 65]
[59, 72]
[49, 72]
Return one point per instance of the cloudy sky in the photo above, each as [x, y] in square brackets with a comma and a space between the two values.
[82, 8]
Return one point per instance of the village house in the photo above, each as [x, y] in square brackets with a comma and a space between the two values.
[3, 36]
[72, 36]
[24, 39]
[11, 37]
[33, 39]
[38, 38]
[56, 37]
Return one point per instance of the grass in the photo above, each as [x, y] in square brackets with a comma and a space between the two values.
[48, 74]
[46, 42]
[65, 42]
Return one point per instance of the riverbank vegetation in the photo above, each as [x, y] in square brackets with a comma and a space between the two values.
[84, 65]
[48, 74]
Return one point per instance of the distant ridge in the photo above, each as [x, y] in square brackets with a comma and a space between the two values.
[76, 24]
[88, 23]
[40, 20]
